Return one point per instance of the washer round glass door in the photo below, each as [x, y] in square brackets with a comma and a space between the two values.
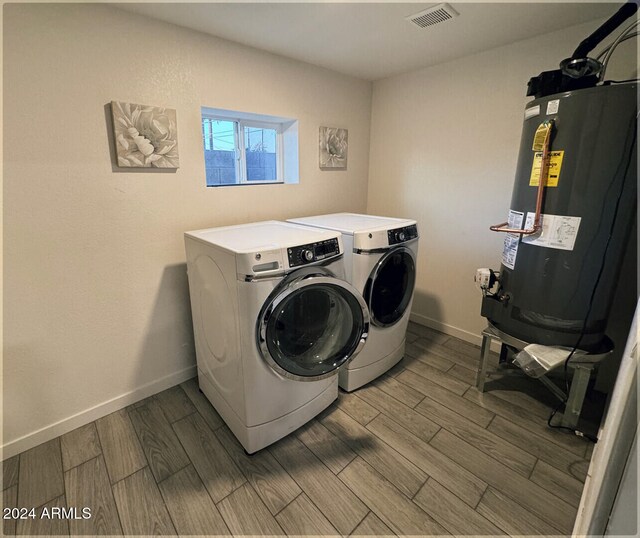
[390, 286]
[312, 325]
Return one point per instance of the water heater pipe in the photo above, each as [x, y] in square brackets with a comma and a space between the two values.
[537, 221]
[588, 44]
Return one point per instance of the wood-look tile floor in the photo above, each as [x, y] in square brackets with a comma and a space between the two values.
[417, 452]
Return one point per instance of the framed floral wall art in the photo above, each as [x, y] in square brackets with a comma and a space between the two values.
[145, 136]
[333, 148]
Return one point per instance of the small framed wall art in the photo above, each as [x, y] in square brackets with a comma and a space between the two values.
[334, 144]
[145, 136]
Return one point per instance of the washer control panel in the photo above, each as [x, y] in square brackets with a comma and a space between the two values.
[400, 235]
[313, 252]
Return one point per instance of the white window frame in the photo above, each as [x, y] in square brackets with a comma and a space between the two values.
[286, 144]
[277, 127]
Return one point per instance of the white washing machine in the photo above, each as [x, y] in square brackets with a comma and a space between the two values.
[274, 319]
[380, 261]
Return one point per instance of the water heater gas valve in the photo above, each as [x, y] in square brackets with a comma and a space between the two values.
[485, 279]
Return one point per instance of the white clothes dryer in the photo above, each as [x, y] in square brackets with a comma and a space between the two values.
[380, 261]
[274, 319]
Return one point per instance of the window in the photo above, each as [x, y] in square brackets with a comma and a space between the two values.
[242, 148]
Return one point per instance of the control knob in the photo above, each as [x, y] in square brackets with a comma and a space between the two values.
[400, 236]
[306, 255]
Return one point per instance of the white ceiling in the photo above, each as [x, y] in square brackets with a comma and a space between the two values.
[372, 41]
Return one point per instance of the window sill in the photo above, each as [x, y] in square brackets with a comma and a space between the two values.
[249, 184]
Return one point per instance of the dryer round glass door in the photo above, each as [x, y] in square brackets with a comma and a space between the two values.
[312, 326]
[390, 286]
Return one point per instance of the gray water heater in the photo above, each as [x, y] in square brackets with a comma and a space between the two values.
[551, 281]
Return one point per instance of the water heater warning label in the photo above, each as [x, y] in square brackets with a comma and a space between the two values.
[553, 171]
[558, 231]
[511, 241]
[553, 106]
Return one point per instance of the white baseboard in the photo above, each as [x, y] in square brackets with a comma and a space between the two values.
[89, 415]
[450, 330]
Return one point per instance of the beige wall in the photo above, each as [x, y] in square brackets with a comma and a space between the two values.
[96, 304]
[444, 146]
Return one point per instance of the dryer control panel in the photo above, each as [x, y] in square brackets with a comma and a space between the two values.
[313, 252]
[400, 235]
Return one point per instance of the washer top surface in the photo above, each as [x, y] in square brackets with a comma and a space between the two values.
[350, 223]
[266, 235]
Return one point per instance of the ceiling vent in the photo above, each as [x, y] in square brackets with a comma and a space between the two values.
[433, 15]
